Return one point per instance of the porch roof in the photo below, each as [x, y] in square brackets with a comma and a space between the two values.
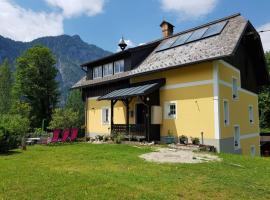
[124, 93]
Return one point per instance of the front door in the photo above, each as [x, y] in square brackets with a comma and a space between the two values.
[140, 113]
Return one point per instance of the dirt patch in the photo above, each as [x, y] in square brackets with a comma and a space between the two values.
[166, 155]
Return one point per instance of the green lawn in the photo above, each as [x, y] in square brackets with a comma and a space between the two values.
[88, 171]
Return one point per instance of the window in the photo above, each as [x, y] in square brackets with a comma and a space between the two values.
[251, 114]
[119, 66]
[105, 115]
[170, 110]
[234, 88]
[97, 72]
[226, 112]
[236, 137]
[252, 150]
[108, 69]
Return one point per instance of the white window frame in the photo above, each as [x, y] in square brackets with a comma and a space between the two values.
[167, 108]
[108, 68]
[238, 139]
[251, 114]
[235, 90]
[121, 67]
[103, 118]
[99, 73]
[226, 121]
[251, 153]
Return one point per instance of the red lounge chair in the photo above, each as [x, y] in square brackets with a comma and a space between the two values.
[65, 135]
[55, 138]
[74, 134]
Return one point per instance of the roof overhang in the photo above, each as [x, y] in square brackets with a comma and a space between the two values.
[133, 91]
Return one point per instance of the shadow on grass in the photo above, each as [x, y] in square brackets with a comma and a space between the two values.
[9, 153]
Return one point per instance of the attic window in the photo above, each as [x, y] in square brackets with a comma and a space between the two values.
[97, 72]
[118, 66]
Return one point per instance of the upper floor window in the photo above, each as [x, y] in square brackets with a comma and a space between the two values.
[108, 69]
[234, 88]
[251, 114]
[226, 112]
[118, 66]
[97, 72]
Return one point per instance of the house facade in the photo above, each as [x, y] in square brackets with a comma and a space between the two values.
[201, 83]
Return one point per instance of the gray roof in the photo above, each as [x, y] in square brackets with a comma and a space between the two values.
[210, 48]
[131, 91]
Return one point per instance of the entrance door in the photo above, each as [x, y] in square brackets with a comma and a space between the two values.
[140, 113]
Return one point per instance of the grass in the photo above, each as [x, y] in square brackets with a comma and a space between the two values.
[88, 171]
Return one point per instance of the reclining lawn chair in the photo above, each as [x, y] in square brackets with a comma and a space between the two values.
[65, 135]
[74, 134]
[55, 138]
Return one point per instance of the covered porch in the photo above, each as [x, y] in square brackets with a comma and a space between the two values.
[146, 96]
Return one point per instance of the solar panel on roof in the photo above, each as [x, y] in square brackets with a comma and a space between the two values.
[167, 44]
[182, 39]
[196, 35]
[215, 29]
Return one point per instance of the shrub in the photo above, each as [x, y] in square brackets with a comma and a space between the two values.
[183, 139]
[118, 138]
[64, 118]
[14, 129]
[195, 141]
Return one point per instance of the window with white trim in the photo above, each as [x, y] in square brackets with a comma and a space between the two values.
[97, 72]
[170, 110]
[105, 116]
[226, 112]
[236, 137]
[118, 66]
[108, 69]
[252, 150]
[234, 88]
[251, 114]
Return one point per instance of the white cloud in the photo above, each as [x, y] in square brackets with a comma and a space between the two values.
[265, 36]
[189, 8]
[21, 24]
[72, 8]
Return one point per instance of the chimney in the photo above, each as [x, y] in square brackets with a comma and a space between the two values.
[167, 28]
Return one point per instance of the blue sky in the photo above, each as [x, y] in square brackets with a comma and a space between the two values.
[103, 22]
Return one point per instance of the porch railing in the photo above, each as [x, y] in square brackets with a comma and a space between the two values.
[131, 129]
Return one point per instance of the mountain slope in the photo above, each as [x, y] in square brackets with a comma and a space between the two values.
[70, 52]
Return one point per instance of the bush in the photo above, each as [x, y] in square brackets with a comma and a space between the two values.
[7, 141]
[13, 129]
[118, 138]
[183, 139]
[64, 118]
[195, 141]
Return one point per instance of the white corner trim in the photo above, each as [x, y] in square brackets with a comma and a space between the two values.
[251, 135]
[229, 65]
[188, 84]
[216, 100]
[93, 98]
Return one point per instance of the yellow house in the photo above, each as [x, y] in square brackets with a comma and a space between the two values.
[202, 83]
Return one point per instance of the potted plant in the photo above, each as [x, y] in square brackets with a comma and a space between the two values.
[195, 140]
[169, 139]
[183, 139]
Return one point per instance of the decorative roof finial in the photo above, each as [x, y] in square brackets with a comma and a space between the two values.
[122, 44]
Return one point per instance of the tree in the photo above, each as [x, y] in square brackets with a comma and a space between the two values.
[64, 118]
[35, 81]
[264, 100]
[75, 102]
[5, 87]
